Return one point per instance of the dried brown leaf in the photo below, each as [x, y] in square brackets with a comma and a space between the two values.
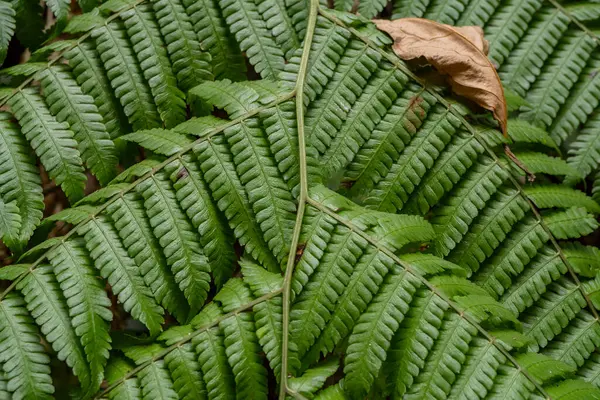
[459, 53]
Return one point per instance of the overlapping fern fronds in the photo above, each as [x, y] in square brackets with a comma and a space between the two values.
[545, 51]
[374, 221]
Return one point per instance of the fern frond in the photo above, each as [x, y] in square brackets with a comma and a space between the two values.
[133, 227]
[267, 192]
[553, 86]
[119, 270]
[160, 141]
[314, 306]
[20, 184]
[372, 335]
[212, 357]
[409, 8]
[7, 16]
[89, 73]
[544, 269]
[125, 76]
[313, 379]
[523, 132]
[251, 33]
[585, 260]
[277, 20]
[552, 312]
[214, 235]
[528, 57]
[367, 277]
[546, 196]
[52, 141]
[507, 26]
[185, 372]
[24, 362]
[88, 305]
[490, 229]
[328, 112]
[130, 389]
[190, 64]
[447, 171]
[147, 44]
[509, 261]
[584, 151]
[177, 239]
[46, 305]
[573, 223]
[393, 186]
[214, 37]
[540, 163]
[215, 161]
[581, 102]
[68, 104]
[452, 219]
[368, 110]
[241, 343]
[575, 344]
[445, 360]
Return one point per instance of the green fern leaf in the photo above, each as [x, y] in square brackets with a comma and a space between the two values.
[251, 33]
[313, 379]
[577, 342]
[125, 76]
[212, 357]
[89, 73]
[146, 42]
[88, 305]
[490, 229]
[552, 88]
[160, 141]
[409, 8]
[571, 224]
[214, 235]
[10, 223]
[68, 104]
[130, 388]
[241, 343]
[544, 269]
[52, 141]
[580, 103]
[190, 65]
[549, 315]
[451, 220]
[539, 163]
[134, 229]
[522, 245]
[507, 26]
[445, 361]
[314, 306]
[528, 57]
[185, 372]
[214, 37]
[20, 182]
[372, 335]
[7, 16]
[216, 163]
[24, 361]
[177, 239]
[545, 196]
[46, 305]
[267, 192]
[121, 273]
[585, 260]
[413, 340]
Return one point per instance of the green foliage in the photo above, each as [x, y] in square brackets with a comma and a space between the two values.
[270, 245]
